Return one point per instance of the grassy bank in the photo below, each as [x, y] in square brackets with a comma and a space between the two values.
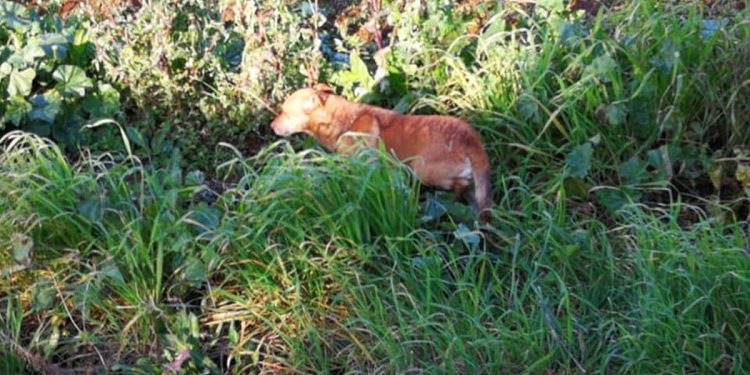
[618, 240]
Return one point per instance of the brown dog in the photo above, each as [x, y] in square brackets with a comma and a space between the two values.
[443, 151]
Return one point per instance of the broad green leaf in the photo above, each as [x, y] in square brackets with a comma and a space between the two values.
[54, 45]
[135, 136]
[43, 296]
[5, 70]
[12, 15]
[195, 270]
[105, 104]
[576, 188]
[21, 82]
[16, 110]
[632, 171]
[90, 209]
[46, 108]
[72, 80]
[743, 175]
[113, 272]
[613, 200]
[207, 219]
[616, 113]
[470, 238]
[26, 56]
[434, 210]
[22, 248]
[528, 107]
[601, 68]
[578, 161]
[195, 178]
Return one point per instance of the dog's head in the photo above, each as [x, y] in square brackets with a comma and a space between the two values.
[299, 108]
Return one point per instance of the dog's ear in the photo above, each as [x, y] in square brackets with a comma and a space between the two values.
[322, 87]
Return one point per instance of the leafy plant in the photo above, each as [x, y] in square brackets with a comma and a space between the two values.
[46, 71]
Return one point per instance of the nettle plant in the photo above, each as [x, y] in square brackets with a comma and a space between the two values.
[47, 75]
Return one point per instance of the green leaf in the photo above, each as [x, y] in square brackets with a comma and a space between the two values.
[5, 70]
[105, 104]
[43, 296]
[613, 200]
[26, 56]
[470, 238]
[135, 136]
[20, 82]
[632, 171]
[72, 80]
[113, 272]
[90, 209]
[616, 113]
[207, 218]
[195, 178]
[602, 67]
[528, 107]
[16, 110]
[54, 45]
[578, 161]
[404, 104]
[576, 188]
[22, 248]
[195, 270]
[742, 174]
[434, 210]
[11, 14]
[46, 108]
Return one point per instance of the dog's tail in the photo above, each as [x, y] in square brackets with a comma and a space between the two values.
[480, 166]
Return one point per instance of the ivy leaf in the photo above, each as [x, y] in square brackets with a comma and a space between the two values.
[578, 161]
[46, 108]
[16, 109]
[20, 82]
[72, 81]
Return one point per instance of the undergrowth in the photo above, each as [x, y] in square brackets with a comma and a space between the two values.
[618, 239]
